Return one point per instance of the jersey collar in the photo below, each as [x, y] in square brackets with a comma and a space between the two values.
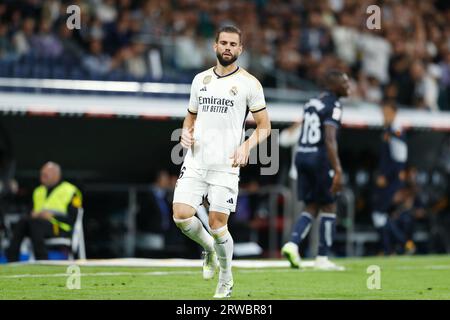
[227, 75]
[331, 94]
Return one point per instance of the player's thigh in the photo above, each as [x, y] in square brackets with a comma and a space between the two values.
[324, 180]
[306, 184]
[223, 189]
[189, 192]
[304, 188]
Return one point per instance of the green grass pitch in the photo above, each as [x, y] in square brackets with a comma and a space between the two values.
[416, 277]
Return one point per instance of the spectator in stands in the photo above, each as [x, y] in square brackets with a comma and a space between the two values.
[187, 54]
[97, 62]
[391, 91]
[426, 89]
[51, 10]
[263, 62]
[289, 58]
[119, 33]
[156, 18]
[96, 31]
[135, 60]
[72, 51]
[399, 65]
[345, 36]
[445, 78]
[375, 50]
[22, 39]
[106, 11]
[6, 47]
[45, 43]
[298, 38]
[315, 39]
[55, 205]
[370, 89]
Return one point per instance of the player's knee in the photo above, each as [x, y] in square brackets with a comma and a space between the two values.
[219, 233]
[312, 209]
[182, 211]
[217, 221]
[216, 224]
[183, 224]
[329, 208]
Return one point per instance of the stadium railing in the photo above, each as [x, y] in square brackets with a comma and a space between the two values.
[276, 219]
[131, 87]
[168, 100]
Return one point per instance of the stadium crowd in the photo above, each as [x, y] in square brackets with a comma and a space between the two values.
[289, 43]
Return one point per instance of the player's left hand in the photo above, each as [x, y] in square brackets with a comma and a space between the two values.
[240, 156]
[337, 183]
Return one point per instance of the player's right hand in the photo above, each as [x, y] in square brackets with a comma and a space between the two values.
[187, 137]
[337, 184]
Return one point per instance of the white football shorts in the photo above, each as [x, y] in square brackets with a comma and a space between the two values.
[220, 188]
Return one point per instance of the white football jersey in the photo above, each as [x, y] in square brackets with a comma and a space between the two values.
[221, 104]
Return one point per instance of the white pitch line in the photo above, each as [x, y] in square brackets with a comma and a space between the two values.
[115, 274]
[102, 274]
[442, 267]
[432, 267]
[167, 273]
[154, 263]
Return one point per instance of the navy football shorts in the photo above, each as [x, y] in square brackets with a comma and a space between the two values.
[315, 178]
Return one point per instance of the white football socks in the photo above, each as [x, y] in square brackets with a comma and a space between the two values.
[194, 229]
[224, 248]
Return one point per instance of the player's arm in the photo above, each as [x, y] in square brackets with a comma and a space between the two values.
[290, 135]
[187, 134]
[263, 127]
[333, 156]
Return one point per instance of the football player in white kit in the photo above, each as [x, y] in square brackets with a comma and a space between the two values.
[214, 133]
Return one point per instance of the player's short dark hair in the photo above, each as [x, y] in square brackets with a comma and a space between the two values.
[229, 29]
[331, 77]
[389, 103]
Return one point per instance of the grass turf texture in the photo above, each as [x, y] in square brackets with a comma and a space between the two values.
[418, 277]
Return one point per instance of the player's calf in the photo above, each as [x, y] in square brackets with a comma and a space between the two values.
[210, 264]
[193, 228]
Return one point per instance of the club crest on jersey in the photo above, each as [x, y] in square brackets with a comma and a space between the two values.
[233, 91]
[207, 79]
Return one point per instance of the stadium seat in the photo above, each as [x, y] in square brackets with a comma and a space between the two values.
[76, 73]
[76, 242]
[5, 68]
[58, 72]
[20, 71]
[40, 72]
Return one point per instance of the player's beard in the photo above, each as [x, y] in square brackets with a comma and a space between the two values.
[224, 62]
